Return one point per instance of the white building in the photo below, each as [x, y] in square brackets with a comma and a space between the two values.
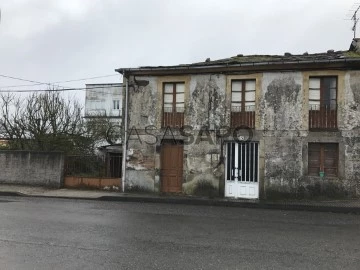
[104, 101]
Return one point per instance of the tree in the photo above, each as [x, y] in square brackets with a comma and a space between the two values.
[103, 130]
[45, 122]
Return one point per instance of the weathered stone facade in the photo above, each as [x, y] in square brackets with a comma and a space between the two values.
[281, 128]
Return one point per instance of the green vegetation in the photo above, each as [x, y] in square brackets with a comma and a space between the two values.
[351, 54]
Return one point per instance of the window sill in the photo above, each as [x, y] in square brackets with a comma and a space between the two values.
[324, 129]
[325, 177]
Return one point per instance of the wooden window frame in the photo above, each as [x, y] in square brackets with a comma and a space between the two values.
[323, 116]
[178, 116]
[322, 157]
[174, 102]
[243, 94]
[322, 88]
[242, 117]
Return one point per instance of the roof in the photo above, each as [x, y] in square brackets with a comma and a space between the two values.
[287, 57]
[329, 59]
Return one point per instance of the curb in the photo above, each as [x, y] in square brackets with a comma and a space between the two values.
[11, 193]
[200, 201]
[19, 194]
[224, 203]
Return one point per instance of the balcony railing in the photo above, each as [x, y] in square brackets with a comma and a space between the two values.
[173, 119]
[115, 112]
[243, 118]
[323, 116]
[95, 112]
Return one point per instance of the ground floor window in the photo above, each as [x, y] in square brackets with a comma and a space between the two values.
[323, 159]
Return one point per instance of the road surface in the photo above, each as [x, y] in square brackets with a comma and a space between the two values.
[43, 233]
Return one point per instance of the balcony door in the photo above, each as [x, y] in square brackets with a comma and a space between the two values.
[323, 103]
[173, 104]
[243, 103]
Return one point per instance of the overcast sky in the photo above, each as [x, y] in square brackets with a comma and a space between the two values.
[59, 40]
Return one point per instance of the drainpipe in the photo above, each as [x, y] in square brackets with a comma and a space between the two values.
[123, 178]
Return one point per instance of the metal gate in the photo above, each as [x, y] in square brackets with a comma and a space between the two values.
[242, 170]
[114, 165]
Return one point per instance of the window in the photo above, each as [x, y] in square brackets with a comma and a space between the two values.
[116, 104]
[322, 102]
[173, 104]
[243, 103]
[243, 95]
[323, 158]
[174, 97]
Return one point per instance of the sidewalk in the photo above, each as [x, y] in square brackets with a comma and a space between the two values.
[339, 206]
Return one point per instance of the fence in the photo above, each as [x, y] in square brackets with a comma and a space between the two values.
[173, 118]
[91, 166]
[93, 171]
[323, 116]
[244, 117]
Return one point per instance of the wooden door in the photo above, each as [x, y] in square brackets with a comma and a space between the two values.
[171, 167]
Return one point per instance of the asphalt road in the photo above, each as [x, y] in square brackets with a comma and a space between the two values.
[40, 233]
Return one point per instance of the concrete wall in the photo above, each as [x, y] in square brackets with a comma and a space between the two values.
[32, 168]
[281, 128]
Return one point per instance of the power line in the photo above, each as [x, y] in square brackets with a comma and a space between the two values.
[19, 79]
[26, 80]
[90, 78]
[50, 83]
[22, 85]
[56, 90]
[63, 89]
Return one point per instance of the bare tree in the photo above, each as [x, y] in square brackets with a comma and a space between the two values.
[102, 129]
[45, 122]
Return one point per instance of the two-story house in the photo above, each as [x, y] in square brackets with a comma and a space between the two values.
[256, 126]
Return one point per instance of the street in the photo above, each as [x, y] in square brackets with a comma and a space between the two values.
[43, 233]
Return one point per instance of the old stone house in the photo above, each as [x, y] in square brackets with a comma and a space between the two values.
[257, 126]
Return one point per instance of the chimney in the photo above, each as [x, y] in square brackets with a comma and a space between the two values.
[355, 45]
